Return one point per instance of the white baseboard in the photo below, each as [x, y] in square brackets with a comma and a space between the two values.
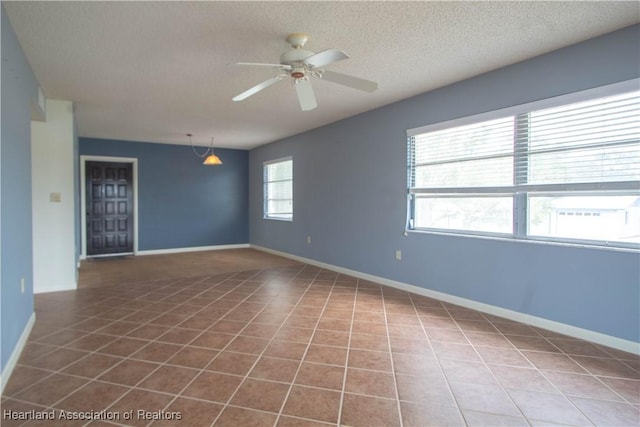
[15, 354]
[71, 287]
[180, 250]
[192, 249]
[550, 325]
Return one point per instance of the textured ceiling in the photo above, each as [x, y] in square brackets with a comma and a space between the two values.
[154, 71]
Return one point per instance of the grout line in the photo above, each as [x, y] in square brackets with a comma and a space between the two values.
[393, 368]
[259, 356]
[346, 366]
[160, 365]
[486, 365]
[538, 370]
[437, 359]
[224, 406]
[306, 350]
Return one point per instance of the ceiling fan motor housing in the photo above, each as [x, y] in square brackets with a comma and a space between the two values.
[294, 56]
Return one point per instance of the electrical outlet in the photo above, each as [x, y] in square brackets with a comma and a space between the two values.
[398, 255]
[22, 285]
[308, 240]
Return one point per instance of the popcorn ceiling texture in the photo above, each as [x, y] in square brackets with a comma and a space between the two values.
[154, 71]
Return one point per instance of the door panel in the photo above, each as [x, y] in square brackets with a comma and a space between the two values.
[109, 208]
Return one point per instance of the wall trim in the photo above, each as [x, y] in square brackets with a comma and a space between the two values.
[539, 322]
[192, 249]
[83, 196]
[70, 287]
[15, 354]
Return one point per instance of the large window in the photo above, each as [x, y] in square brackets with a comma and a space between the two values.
[278, 189]
[569, 171]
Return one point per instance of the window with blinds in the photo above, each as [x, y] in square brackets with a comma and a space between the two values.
[278, 189]
[567, 172]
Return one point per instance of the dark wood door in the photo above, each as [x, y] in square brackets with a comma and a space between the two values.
[109, 208]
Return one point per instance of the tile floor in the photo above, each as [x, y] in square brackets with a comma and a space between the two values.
[300, 346]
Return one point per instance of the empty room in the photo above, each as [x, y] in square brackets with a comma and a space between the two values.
[320, 213]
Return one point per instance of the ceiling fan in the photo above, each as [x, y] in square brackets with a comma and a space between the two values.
[301, 65]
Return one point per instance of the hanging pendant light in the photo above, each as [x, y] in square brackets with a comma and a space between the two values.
[212, 159]
[209, 159]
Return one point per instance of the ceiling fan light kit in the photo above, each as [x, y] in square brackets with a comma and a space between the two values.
[301, 65]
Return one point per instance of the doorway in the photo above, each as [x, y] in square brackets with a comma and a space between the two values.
[109, 207]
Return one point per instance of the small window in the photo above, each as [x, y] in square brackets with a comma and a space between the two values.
[278, 189]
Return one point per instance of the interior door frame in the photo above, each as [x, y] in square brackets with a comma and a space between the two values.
[83, 196]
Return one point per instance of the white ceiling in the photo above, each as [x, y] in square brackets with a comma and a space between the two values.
[154, 71]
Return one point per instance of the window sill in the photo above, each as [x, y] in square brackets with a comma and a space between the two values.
[278, 219]
[528, 240]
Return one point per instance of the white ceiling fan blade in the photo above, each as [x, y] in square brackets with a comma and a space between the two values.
[325, 57]
[283, 67]
[257, 88]
[350, 81]
[306, 97]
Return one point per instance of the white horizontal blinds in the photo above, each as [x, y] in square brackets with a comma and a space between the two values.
[566, 172]
[278, 189]
[476, 155]
[596, 141]
[461, 178]
[279, 171]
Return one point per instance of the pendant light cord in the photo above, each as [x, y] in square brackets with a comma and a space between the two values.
[209, 149]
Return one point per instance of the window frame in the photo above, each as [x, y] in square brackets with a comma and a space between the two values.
[265, 196]
[519, 191]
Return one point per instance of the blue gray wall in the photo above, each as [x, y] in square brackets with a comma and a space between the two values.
[19, 90]
[350, 197]
[182, 203]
